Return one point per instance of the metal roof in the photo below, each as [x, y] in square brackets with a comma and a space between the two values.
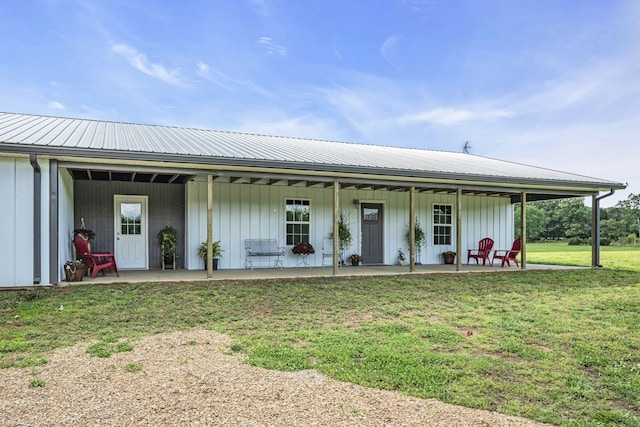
[93, 138]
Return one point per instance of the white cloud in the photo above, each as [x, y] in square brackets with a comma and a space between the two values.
[450, 116]
[140, 62]
[56, 105]
[387, 48]
[271, 47]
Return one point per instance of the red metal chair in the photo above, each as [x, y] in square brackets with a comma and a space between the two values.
[483, 251]
[96, 261]
[508, 255]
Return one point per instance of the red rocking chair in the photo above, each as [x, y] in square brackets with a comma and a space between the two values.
[96, 261]
[482, 253]
[508, 254]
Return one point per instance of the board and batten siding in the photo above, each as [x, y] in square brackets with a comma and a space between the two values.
[65, 220]
[244, 211]
[94, 202]
[16, 233]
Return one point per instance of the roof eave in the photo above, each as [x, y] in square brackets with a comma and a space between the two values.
[347, 170]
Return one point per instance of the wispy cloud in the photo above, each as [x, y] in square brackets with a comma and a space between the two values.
[56, 105]
[450, 116]
[212, 75]
[387, 48]
[140, 62]
[271, 47]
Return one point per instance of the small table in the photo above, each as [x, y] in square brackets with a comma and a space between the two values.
[302, 260]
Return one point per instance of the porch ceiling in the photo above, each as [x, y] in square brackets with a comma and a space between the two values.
[182, 176]
[119, 175]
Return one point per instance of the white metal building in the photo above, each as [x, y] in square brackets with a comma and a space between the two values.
[56, 172]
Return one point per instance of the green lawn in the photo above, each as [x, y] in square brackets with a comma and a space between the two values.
[618, 257]
[557, 346]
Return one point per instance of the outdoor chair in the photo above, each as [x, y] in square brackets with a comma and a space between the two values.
[508, 255]
[327, 250]
[94, 261]
[482, 253]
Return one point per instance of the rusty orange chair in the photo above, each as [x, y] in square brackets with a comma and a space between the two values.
[483, 251]
[94, 261]
[508, 255]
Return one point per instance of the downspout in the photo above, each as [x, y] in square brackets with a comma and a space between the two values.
[37, 212]
[595, 229]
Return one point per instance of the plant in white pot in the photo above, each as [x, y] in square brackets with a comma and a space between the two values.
[216, 253]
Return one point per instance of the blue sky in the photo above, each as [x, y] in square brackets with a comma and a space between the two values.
[553, 83]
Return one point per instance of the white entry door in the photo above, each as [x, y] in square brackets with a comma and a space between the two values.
[131, 235]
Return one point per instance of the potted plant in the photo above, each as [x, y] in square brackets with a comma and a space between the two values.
[419, 238]
[74, 270]
[303, 248]
[449, 257]
[355, 259]
[344, 236]
[216, 253]
[402, 260]
[85, 233]
[167, 238]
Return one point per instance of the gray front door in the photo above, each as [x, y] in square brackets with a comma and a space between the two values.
[372, 232]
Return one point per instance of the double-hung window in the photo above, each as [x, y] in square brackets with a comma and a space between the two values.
[298, 217]
[442, 224]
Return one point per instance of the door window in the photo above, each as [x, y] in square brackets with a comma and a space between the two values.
[130, 218]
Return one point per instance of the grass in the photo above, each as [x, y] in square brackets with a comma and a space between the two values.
[557, 346]
[618, 257]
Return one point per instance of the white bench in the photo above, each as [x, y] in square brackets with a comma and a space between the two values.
[263, 248]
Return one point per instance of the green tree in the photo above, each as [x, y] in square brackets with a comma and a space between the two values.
[536, 221]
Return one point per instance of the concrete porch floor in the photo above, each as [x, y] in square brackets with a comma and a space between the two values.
[181, 275]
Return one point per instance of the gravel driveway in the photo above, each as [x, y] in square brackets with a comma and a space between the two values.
[186, 379]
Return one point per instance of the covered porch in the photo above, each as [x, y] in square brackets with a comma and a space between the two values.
[291, 273]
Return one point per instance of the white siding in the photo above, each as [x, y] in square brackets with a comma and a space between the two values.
[65, 220]
[16, 233]
[243, 211]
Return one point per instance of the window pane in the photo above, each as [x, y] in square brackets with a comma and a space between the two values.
[370, 214]
[297, 218]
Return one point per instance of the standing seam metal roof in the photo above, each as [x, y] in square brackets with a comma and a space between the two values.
[91, 135]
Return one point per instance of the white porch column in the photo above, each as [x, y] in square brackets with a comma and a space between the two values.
[595, 231]
[459, 229]
[412, 228]
[209, 226]
[523, 230]
[336, 234]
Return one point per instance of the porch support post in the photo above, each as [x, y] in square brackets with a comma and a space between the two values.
[336, 233]
[523, 230]
[54, 267]
[209, 226]
[459, 229]
[595, 232]
[412, 228]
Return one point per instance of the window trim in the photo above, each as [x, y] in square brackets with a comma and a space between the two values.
[437, 237]
[287, 222]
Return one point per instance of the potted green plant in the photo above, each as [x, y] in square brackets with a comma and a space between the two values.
[216, 253]
[449, 257]
[344, 236]
[74, 270]
[167, 238]
[419, 238]
[402, 260]
[355, 259]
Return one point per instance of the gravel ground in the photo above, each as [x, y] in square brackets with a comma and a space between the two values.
[187, 379]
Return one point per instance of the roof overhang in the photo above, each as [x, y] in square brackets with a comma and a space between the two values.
[139, 166]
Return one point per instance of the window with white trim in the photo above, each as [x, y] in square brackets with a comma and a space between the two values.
[298, 218]
[442, 224]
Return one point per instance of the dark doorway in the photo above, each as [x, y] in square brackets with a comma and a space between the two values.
[372, 228]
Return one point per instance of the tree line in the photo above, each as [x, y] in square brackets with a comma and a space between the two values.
[570, 219]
